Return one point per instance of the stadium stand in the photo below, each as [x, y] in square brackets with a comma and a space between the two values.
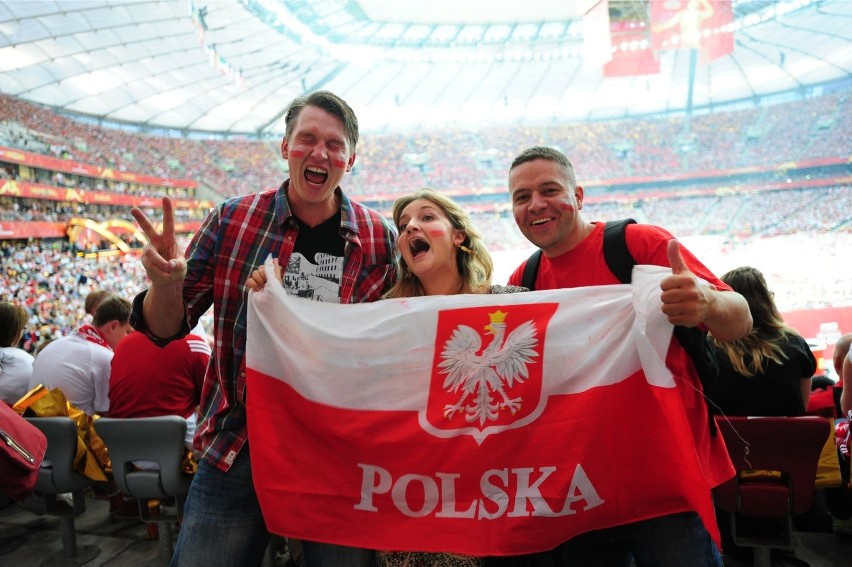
[734, 180]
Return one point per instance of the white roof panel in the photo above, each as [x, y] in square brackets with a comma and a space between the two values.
[150, 62]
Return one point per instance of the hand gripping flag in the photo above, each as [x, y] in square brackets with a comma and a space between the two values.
[474, 424]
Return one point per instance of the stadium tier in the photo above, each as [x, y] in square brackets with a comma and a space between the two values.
[734, 184]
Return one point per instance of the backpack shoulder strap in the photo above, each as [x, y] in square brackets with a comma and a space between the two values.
[617, 255]
[531, 270]
[693, 340]
[618, 258]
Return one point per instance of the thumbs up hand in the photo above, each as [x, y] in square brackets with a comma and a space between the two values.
[686, 300]
[675, 259]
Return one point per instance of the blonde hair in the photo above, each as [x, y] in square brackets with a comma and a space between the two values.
[473, 261]
[750, 354]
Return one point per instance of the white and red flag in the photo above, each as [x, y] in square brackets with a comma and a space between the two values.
[475, 424]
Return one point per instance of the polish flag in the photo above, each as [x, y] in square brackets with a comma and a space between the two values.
[471, 424]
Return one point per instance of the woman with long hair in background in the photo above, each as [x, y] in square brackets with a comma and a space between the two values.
[768, 372]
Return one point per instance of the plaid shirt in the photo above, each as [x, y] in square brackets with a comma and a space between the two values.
[234, 239]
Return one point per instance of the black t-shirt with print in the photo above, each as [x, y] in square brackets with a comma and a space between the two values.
[316, 265]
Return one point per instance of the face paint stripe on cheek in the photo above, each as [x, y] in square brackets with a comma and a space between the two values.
[297, 153]
[567, 207]
[437, 232]
[338, 163]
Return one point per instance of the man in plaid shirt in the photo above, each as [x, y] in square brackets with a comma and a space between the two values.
[330, 249]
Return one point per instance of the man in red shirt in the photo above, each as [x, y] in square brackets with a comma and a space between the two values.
[546, 203]
[148, 380]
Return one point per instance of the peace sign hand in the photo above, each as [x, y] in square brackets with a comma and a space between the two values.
[161, 258]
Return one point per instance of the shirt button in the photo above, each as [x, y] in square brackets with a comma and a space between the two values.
[242, 374]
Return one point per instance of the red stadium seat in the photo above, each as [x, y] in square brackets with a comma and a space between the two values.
[776, 460]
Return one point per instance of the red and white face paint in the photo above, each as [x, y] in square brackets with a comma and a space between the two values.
[318, 153]
[545, 207]
[428, 243]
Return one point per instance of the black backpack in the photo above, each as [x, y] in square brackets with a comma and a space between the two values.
[620, 262]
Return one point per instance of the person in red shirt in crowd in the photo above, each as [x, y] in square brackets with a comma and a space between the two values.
[149, 381]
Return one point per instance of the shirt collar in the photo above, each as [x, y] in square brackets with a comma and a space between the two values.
[348, 220]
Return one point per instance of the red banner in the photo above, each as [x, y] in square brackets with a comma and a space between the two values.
[31, 229]
[632, 53]
[66, 166]
[693, 24]
[720, 40]
[29, 190]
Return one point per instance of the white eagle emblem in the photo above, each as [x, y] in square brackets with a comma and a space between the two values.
[482, 380]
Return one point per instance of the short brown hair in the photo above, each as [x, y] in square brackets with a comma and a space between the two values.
[112, 308]
[93, 299]
[549, 154]
[332, 104]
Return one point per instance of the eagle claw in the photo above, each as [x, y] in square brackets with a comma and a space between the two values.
[451, 409]
[513, 405]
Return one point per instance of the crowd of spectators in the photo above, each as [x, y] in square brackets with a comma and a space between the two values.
[51, 279]
[806, 265]
[769, 213]
[230, 167]
[391, 163]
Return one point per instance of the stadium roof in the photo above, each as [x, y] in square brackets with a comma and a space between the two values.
[232, 66]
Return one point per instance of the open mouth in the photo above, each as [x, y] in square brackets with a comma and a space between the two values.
[418, 246]
[541, 221]
[316, 175]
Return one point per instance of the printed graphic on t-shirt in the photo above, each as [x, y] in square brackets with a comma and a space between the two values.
[320, 281]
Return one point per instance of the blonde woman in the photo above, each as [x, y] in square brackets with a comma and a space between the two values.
[440, 253]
